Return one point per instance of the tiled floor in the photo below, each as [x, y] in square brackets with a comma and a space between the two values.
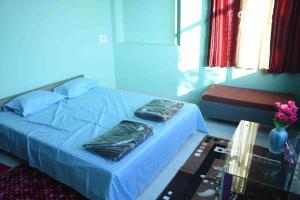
[216, 128]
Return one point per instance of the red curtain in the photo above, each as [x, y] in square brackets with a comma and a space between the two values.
[285, 38]
[223, 33]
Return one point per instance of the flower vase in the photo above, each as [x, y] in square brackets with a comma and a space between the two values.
[277, 139]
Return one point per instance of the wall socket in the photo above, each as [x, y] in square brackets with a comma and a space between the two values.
[103, 38]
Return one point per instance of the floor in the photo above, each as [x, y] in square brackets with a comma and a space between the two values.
[9, 159]
[216, 128]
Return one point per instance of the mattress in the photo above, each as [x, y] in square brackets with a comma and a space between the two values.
[245, 97]
[51, 140]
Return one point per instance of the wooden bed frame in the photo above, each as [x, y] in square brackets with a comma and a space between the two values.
[46, 87]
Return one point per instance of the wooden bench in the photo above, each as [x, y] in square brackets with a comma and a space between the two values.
[235, 104]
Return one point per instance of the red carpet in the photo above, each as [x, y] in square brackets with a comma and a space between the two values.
[3, 168]
[24, 182]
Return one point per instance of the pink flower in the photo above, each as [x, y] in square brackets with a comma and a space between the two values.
[287, 113]
[285, 108]
[293, 116]
[292, 120]
[278, 104]
[280, 116]
[291, 104]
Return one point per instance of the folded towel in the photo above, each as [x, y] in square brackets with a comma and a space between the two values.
[158, 110]
[120, 140]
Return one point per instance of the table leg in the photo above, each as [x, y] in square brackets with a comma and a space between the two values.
[226, 186]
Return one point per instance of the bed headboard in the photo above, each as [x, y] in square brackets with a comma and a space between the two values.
[46, 87]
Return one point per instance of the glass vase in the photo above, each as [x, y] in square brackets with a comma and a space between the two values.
[277, 139]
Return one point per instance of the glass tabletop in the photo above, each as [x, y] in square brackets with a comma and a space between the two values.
[248, 159]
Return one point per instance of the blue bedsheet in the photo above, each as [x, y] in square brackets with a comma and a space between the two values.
[51, 140]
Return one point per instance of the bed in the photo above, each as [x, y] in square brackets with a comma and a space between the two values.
[51, 140]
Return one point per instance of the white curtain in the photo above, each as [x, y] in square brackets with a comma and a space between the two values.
[253, 47]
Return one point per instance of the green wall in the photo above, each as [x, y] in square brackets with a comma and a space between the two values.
[151, 29]
[180, 72]
[43, 41]
[46, 41]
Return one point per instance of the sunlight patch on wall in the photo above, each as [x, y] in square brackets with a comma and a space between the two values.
[190, 12]
[189, 60]
[189, 49]
[214, 75]
[238, 73]
[187, 83]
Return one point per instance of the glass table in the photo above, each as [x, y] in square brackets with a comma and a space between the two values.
[249, 164]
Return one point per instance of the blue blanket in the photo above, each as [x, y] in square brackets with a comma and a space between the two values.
[51, 140]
